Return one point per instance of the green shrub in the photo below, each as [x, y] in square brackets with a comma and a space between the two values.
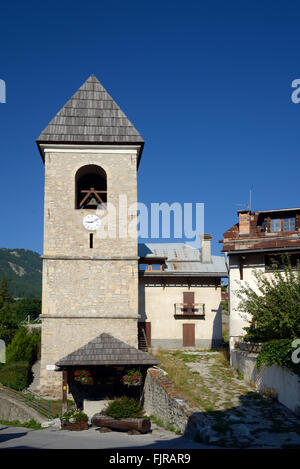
[24, 347]
[273, 306]
[277, 352]
[15, 375]
[124, 407]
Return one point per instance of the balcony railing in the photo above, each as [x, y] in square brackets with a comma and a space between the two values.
[193, 309]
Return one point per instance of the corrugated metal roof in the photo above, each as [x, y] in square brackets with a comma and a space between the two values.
[181, 258]
[279, 210]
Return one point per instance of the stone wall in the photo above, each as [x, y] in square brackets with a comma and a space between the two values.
[87, 290]
[275, 381]
[64, 233]
[162, 400]
[90, 287]
[12, 409]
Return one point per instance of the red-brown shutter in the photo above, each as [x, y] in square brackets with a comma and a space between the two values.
[188, 301]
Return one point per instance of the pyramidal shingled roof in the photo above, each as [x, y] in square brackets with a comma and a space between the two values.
[107, 350]
[90, 116]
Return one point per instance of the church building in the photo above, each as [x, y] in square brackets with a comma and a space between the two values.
[99, 301]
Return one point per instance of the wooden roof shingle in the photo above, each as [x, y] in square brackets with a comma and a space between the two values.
[90, 116]
[107, 350]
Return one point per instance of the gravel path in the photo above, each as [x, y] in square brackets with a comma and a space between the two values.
[238, 415]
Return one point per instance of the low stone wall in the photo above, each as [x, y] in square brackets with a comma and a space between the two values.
[274, 380]
[162, 400]
[13, 409]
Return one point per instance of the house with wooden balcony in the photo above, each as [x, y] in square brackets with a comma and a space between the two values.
[180, 295]
[253, 244]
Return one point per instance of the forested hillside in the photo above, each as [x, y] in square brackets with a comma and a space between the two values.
[23, 269]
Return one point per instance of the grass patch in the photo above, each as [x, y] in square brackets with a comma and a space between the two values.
[16, 423]
[161, 424]
[198, 389]
[157, 421]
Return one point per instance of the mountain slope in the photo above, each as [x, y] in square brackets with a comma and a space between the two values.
[24, 272]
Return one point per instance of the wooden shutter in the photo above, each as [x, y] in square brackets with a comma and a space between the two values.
[148, 333]
[188, 301]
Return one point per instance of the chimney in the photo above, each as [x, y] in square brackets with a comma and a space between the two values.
[244, 221]
[205, 247]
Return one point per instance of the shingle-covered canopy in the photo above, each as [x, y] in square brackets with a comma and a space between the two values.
[90, 116]
[107, 350]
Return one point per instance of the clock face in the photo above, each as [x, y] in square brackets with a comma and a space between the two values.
[91, 222]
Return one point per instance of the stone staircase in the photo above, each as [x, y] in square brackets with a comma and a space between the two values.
[142, 341]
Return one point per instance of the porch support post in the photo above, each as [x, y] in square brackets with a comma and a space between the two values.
[64, 390]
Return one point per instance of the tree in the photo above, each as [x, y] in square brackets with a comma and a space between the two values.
[274, 305]
[24, 347]
[8, 323]
[27, 307]
[4, 293]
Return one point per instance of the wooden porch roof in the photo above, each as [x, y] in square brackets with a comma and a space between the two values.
[107, 350]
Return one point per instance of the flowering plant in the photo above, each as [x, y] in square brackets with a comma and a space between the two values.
[83, 376]
[74, 415]
[132, 378]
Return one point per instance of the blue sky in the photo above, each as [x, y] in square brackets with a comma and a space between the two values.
[207, 84]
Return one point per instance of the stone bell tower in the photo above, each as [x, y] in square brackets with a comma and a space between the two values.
[90, 282]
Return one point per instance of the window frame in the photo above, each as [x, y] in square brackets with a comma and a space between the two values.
[282, 221]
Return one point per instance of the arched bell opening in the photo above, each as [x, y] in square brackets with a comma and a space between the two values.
[90, 187]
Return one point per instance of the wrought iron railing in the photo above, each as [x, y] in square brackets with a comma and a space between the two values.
[185, 309]
[33, 400]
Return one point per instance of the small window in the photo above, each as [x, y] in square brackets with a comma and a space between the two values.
[156, 267]
[151, 267]
[278, 261]
[275, 225]
[282, 224]
[289, 224]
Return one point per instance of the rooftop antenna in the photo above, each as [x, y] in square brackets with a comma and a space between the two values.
[248, 205]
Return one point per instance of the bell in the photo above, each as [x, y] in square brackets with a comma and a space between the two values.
[92, 203]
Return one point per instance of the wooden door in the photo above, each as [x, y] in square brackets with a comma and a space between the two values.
[148, 333]
[188, 302]
[188, 335]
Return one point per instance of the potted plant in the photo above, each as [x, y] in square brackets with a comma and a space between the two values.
[74, 419]
[83, 377]
[132, 378]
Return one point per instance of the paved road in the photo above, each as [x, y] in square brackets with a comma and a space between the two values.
[24, 438]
